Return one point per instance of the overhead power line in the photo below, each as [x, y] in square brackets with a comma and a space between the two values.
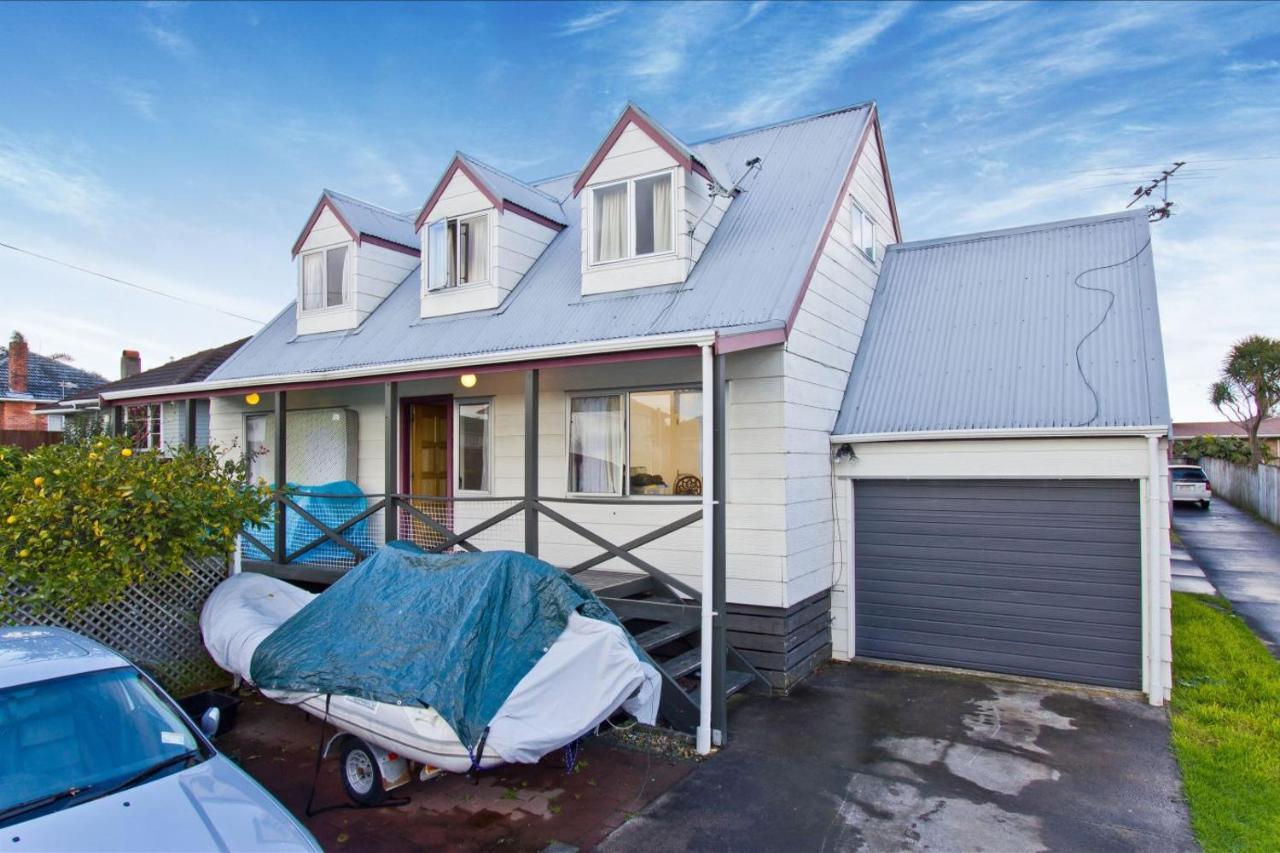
[134, 285]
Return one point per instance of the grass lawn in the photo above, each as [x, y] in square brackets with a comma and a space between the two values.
[1226, 725]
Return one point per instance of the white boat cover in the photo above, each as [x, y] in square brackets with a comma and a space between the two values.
[589, 672]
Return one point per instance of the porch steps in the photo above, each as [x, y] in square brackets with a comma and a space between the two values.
[669, 629]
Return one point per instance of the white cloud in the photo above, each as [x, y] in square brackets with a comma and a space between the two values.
[592, 20]
[48, 183]
[135, 97]
[1253, 67]
[753, 11]
[775, 95]
[170, 38]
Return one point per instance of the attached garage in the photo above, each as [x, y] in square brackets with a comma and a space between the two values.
[1001, 458]
[1039, 578]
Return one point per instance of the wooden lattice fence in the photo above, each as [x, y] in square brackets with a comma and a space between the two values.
[156, 625]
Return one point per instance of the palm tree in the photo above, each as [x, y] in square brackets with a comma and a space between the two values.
[1248, 391]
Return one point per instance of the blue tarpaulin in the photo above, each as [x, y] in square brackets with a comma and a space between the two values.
[453, 632]
[333, 503]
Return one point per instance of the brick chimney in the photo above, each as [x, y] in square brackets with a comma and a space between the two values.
[130, 363]
[18, 363]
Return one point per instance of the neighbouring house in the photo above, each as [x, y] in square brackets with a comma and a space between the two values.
[158, 424]
[663, 372]
[28, 382]
[1268, 433]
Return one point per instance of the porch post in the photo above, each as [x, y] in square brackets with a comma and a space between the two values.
[279, 450]
[391, 456]
[720, 492]
[706, 687]
[531, 461]
[190, 432]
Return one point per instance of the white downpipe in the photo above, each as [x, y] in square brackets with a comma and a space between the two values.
[236, 566]
[708, 546]
[1155, 617]
[851, 568]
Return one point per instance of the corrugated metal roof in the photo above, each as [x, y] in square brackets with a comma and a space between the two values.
[513, 189]
[375, 221]
[747, 279]
[980, 332]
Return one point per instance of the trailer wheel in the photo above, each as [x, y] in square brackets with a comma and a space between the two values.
[360, 774]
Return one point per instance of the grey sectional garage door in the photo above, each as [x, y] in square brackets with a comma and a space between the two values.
[1030, 577]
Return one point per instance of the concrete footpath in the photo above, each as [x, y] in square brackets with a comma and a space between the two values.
[1240, 556]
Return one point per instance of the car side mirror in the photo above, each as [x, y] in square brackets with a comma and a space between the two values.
[210, 720]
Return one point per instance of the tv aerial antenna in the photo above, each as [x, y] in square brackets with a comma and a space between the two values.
[1163, 210]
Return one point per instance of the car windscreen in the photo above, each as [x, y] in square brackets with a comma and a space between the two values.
[67, 738]
[1185, 475]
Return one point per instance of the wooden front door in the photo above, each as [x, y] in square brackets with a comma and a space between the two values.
[429, 456]
[429, 449]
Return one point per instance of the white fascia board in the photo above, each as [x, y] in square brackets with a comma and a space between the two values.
[1035, 432]
[196, 389]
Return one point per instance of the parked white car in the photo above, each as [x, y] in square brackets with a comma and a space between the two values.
[95, 756]
[1189, 484]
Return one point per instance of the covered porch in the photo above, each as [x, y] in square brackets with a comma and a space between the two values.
[604, 465]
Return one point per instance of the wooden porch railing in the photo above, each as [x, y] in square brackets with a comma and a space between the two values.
[281, 552]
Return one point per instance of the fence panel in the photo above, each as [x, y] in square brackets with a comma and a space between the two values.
[1254, 488]
[29, 439]
[156, 625]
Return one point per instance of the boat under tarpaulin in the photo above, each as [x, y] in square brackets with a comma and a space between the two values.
[426, 654]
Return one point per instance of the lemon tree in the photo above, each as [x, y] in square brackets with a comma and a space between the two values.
[81, 523]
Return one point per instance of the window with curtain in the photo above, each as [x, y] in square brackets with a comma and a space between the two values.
[596, 457]
[458, 251]
[324, 278]
[257, 448]
[636, 443]
[632, 219]
[473, 445]
[665, 437]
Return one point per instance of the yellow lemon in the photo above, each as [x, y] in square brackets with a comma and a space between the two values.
[13, 519]
[24, 553]
[126, 452]
[39, 481]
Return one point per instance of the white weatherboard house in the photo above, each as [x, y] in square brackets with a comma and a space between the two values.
[648, 372]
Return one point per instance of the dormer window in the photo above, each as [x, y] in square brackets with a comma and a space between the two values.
[458, 251]
[632, 218]
[324, 278]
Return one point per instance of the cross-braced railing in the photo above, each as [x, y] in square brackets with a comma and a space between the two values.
[330, 532]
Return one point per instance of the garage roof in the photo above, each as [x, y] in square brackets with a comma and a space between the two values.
[980, 332]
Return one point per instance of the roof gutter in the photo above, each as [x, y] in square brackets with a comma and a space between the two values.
[1031, 432]
[616, 345]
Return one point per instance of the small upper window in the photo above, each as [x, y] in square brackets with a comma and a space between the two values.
[863, 229]
[458, 251]
[324, 278]
[632, 219]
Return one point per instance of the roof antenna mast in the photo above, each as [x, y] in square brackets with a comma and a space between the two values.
[1157, 212]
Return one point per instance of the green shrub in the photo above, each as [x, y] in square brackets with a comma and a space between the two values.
[1235, 450]
[81, 523]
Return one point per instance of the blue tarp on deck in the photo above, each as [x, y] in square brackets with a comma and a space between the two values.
[332, 503]
[454, 632]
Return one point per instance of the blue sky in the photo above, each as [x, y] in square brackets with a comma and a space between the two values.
[182, 146]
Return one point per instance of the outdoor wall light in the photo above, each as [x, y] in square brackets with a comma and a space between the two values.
[252, 398]
[468, 380]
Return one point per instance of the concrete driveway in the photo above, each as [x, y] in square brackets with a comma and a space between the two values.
[1241, 556]
[868, 758]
